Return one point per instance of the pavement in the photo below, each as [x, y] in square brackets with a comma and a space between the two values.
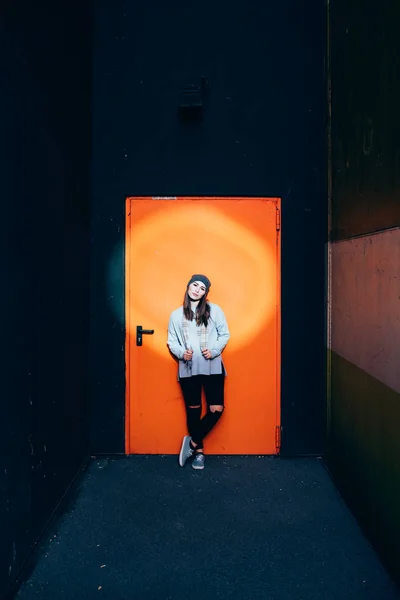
[245, 528]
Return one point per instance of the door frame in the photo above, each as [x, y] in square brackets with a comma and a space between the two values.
[275, 200]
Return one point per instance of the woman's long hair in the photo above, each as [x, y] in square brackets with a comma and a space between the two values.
[202, 313]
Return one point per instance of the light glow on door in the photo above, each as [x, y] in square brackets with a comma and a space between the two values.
[180, 240]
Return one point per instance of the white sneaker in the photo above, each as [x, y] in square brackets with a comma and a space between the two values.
[198, 461]
[186, 451]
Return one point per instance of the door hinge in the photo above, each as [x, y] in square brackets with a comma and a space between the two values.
[278, 219]
[278, 430]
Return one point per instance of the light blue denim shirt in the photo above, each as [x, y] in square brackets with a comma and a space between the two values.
[218, 336]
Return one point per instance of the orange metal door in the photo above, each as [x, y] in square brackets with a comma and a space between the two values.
[236, 243]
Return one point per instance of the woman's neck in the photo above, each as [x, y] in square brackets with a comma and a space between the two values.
[194, 305]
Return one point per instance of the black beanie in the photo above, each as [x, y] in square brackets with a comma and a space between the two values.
[202, 278]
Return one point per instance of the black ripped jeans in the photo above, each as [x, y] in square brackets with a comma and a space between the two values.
[191, 387]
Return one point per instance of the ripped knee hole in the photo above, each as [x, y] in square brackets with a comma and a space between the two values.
[216, 408]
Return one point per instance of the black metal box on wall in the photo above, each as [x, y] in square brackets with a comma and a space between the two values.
[261, 132]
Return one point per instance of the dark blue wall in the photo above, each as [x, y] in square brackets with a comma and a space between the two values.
[263, 134]
[44, 165]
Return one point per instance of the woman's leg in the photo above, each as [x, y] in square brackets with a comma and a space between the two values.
[214, 392]
[191, 390]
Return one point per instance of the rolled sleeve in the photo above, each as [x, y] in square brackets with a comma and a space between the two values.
[223, 334]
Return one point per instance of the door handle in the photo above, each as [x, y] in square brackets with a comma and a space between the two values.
[140, 332]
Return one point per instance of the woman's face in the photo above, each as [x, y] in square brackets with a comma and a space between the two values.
[196, 290]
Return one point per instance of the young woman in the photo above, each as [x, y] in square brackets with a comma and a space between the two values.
[197, 334]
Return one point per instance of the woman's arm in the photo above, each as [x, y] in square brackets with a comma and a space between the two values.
[173, 341]
[223, 334]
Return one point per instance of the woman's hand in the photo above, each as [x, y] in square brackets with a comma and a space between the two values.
[206, 353]
[187, 355]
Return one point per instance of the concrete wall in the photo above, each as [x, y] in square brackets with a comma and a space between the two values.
[364, 408]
